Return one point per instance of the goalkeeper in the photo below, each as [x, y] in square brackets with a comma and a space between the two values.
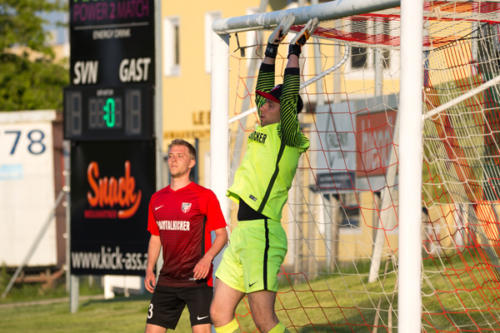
[258, 244]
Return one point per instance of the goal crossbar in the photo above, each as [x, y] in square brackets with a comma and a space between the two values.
[325, 11]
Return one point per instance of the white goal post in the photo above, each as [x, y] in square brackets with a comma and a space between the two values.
[410, 110]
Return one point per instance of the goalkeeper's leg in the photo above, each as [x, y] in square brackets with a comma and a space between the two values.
[223, 307]
[263, 314]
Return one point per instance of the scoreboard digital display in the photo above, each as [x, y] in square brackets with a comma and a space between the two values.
[118, 113]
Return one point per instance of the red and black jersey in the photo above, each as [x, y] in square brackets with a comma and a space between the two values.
[184, 219]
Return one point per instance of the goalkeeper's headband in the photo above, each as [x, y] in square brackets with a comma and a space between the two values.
[275, 95]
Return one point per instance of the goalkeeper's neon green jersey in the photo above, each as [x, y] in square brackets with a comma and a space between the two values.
[266, 173]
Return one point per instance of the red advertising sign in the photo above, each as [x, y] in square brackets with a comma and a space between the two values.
[374, 142]
[109, 192]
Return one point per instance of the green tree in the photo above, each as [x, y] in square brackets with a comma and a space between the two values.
[32, 79]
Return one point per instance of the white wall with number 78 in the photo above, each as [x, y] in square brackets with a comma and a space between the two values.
[27, 187]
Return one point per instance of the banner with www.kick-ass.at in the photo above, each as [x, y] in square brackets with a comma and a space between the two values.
[111, 184]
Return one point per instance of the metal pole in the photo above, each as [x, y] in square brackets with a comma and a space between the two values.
[219, 128]
[35, 244]
[379, 68]
[317, 67]
[158, 114]
[461, 98]
[383, 219]
[386, 214]
[74, 293]
[325, 11]
[410, 168]
[327, 220]
[67, 180]
[72, 280]
[337, 83]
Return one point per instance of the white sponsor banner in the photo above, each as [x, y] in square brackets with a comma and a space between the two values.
[26, 186]
[335, 147]
[338, 143]
[337, 140]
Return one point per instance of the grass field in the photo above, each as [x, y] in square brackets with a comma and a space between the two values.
[118, 315]
[129, 314]
[341, 302]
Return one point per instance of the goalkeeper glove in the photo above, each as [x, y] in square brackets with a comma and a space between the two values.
[278, 35]
[301, 38]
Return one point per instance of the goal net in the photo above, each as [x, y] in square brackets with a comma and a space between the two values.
[341, 219]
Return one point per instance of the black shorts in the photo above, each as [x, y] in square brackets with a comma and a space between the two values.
[168, 303]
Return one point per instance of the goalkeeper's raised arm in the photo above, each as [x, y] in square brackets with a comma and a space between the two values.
[284, 97]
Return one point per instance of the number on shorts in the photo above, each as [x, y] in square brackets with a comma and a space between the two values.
[150, 311]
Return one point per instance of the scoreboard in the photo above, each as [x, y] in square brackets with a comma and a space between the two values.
[109, 116]
[108, 113]
[112, 71]
[112, 42]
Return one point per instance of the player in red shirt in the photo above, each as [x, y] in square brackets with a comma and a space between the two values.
[181, 218]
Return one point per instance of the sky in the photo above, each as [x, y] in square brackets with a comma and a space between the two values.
[61, 33]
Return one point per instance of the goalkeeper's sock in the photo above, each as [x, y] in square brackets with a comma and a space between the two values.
[279, 328]
[231, 327]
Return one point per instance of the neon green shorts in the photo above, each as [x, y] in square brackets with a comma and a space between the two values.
[254, 256]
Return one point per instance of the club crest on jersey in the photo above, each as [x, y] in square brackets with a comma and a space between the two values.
[186, 206]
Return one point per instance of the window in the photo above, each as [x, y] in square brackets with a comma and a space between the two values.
[359, 55]
[210, 17]
[350, 217]
[349, 212]
[376, 29]
[171, 47]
